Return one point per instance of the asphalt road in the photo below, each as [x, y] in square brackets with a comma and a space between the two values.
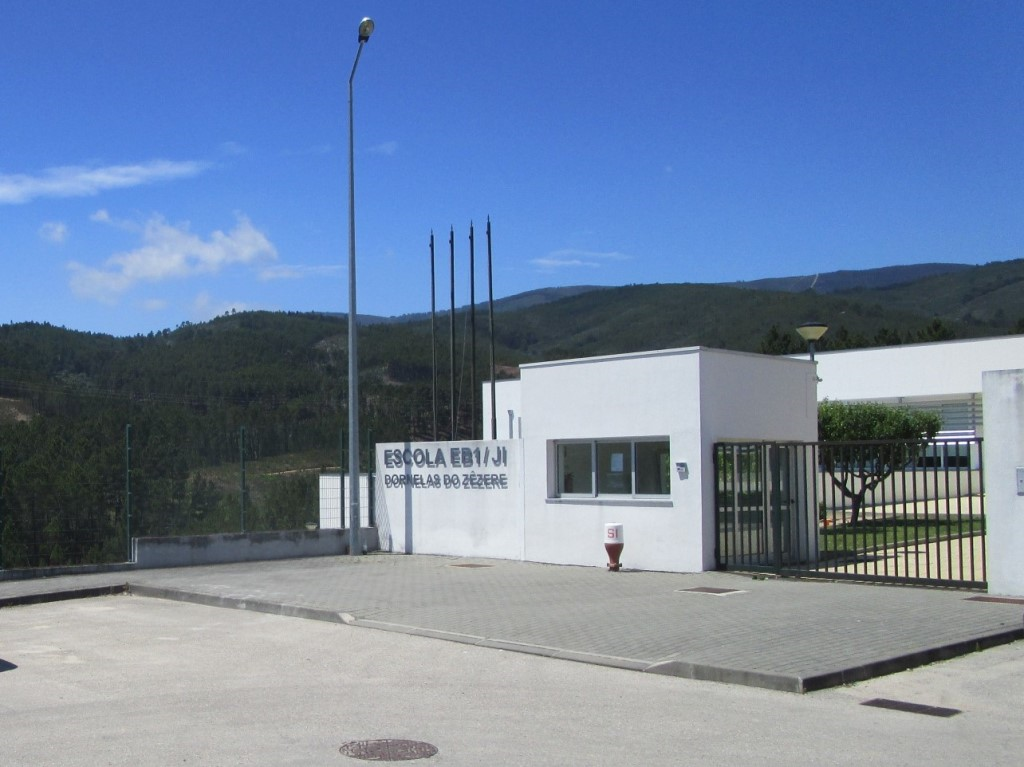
[121, 680]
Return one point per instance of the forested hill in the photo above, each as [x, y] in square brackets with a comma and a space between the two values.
[846, 280]
[295, 363]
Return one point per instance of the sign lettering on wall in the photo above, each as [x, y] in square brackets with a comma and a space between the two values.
[479, 466]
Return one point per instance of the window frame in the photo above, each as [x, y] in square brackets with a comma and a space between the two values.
[599, 476]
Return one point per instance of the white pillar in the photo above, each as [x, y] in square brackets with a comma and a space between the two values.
[1003, 402]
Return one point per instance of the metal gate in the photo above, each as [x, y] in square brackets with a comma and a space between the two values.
[893, 512]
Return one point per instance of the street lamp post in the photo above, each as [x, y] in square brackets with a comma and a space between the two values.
[811, 332]
[354, 548]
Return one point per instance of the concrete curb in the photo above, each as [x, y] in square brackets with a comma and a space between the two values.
[706, 673]
[59, 596]
[236, 603]
[611, 661]
[909, 661]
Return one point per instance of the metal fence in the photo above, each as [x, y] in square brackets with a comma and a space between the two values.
[83, 503]
[901, 512]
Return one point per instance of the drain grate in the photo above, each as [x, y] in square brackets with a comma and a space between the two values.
[471, 564]
[911, 708]
[388, 750]
[709, 590]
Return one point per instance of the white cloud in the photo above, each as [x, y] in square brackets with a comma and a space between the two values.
[387, 148]
[318, 149]
[201, 303]
[296, 271]
[570, 258]
[86, 181]
[154, 304]
[561, 263]
[169, 252]
[102, 216]
[204, 307]
[54, 231]
[233, 149]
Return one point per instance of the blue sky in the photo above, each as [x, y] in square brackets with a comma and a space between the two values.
[165, 162]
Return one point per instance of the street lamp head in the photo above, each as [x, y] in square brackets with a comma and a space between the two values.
[365, 29]
[812, 331]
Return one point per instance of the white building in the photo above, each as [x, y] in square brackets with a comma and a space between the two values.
[588, 442]
[944, 377]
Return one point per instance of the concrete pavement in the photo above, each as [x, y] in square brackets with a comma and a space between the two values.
[780, 634]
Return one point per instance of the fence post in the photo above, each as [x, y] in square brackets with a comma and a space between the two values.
[128, 489]
[241, 455]
[341, 479]
[983, 564]
[371, 498]
[776, 501]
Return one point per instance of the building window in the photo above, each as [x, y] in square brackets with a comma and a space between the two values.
[653, 468]
[613, 468]
[944, 455]
[575, 468]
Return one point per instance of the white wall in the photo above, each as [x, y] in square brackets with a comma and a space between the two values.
[1003, 393]
[459, 498]
[626, 396]
[936, 370]
[508, 409]
[746, 398]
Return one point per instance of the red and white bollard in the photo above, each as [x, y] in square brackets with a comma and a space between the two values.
[613, 545]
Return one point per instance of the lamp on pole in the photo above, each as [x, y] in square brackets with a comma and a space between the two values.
[354, 548]
[811, 332]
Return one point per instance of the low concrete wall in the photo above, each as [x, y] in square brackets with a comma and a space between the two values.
[184, 551]
[909, 486]
[29, 573]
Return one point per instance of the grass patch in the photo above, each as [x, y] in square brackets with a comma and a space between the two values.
[874, 534]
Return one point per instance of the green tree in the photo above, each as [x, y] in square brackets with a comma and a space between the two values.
[866, 442]
[936, 330]
[287, 502]
[887, 337]
[13, 548]
[777, 342]
[842, 338]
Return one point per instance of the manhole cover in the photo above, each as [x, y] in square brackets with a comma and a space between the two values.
[710, 590]
[388, 750]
